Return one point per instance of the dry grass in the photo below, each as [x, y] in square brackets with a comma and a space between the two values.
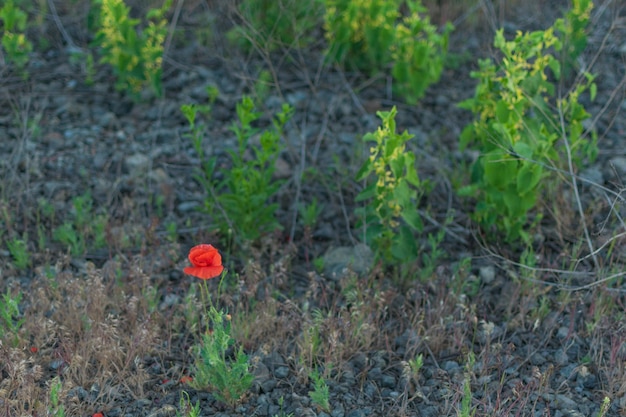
[123, 331]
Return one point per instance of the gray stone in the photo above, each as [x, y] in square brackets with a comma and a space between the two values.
[356, 413]
[281, 372]
[137, 164]
[338, 262]
[487, 274]
[450, 366]
[165, 411]
[388, 381]
[561, 358]
[619, 164]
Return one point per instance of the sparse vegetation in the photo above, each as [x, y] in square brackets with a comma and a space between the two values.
[354, 278]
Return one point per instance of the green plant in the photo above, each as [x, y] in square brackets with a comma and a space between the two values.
[67, 235]
[14, 42]
[275, 24]
[172, 231]
[281, 402]
[418, 53]
[391, 218]
[240, 200]
[228, 379]
[604, 408]
[19, 251]
[9, 313]
[432, 255]
[521, 129]
[361, 33]
[185, 409]
[371, 35]
[262, 87]
[320, 394]
[56, 408]
[310, 213]
[85, 227]
[574, 31]
[136, 58]
[466, 401]
[416, 365]
[151, 294]
[312, 338]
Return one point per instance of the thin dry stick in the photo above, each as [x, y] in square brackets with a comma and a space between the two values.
[446, 229]
[571, 288]
[345, 215]
[608, 242]
[57, 21]
[298, 176]
[170, 35]
[579, 204]
[612, 204]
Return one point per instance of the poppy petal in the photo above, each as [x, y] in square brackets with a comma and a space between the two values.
[205, 272]
[204, 255]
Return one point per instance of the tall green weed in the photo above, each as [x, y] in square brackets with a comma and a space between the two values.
[522, 128]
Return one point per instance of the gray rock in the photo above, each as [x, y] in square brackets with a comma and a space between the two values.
[305, 412]
[565, 402]
[537, 359]
[487, 274]
[338, 410]
[165, 411]
[388, 381]
[450, 366]
[281, 372]
[137, 164]
[619, 164]
[561, 358]
[338, 262]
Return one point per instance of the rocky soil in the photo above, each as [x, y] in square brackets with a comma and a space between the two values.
[62, 138]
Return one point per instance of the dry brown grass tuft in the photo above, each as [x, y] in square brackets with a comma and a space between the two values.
[93, 334]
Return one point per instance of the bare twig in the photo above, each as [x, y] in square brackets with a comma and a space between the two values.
[57, 21]
[170, 35]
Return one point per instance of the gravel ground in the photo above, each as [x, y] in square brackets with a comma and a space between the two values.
[127, 155]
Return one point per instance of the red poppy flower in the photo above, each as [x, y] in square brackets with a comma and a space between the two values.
[206, 261]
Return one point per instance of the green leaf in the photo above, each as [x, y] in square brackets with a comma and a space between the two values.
[593, 90]
[502, 112]
[411, 216]
[555, 66]
[367, 193]
[404, 248]
[499, 169]
[468, 190]
[467, 135]
[528, 178]
[523, 149]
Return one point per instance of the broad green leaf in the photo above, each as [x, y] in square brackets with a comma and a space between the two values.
[367, 193]
[404, 247]
[411, 216]
[523, 149]
[593, 90]
[502, 112]
[555, 66]
[468, 191]
[499, 169]
[528, 177]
